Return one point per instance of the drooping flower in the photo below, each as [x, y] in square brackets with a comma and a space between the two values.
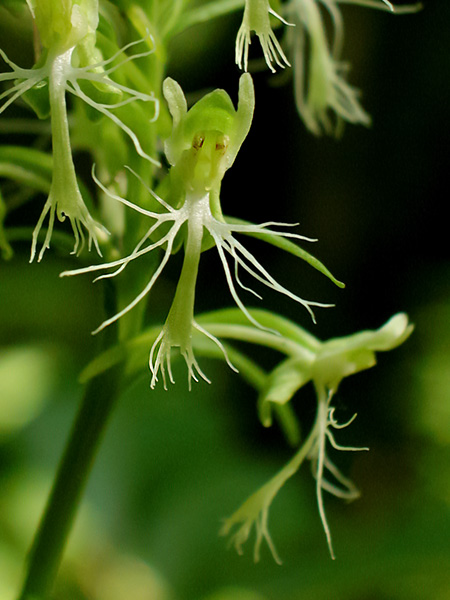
[67, 28]
[326, 364]
[324, 98]
[203, 145]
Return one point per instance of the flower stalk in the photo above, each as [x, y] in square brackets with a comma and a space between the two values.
[76, 463]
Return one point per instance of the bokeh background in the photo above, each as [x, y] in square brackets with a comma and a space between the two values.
[174, 463]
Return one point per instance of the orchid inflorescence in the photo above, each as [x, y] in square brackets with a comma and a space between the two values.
[184, 205]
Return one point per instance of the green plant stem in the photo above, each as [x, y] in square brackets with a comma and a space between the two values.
[75, 466]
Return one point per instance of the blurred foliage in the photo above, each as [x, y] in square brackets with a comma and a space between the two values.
[174, 463]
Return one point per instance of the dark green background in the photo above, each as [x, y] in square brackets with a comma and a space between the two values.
[174, 463]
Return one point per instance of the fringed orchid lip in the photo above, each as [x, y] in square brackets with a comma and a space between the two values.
[196, 213]
[256, 18]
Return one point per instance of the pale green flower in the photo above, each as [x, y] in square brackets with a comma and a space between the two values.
[325, 364]
[202, 146]
[324, 98]
[66, 27]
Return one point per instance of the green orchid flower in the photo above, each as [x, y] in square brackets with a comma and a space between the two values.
[67, 29]
[324, 99]
[202, 146]
[325, 364]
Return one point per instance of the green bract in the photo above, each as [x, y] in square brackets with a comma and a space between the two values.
[62, 24]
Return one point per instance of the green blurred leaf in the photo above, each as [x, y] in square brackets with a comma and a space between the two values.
[5, 248]
[207, 11]
[27, 375]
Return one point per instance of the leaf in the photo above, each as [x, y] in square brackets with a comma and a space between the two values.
[24, 176]
[282, 383]
[26, 166]
[28, 158]
[206, 12]
[5, 248]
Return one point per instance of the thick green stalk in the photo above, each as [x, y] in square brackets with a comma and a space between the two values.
[51, 537]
